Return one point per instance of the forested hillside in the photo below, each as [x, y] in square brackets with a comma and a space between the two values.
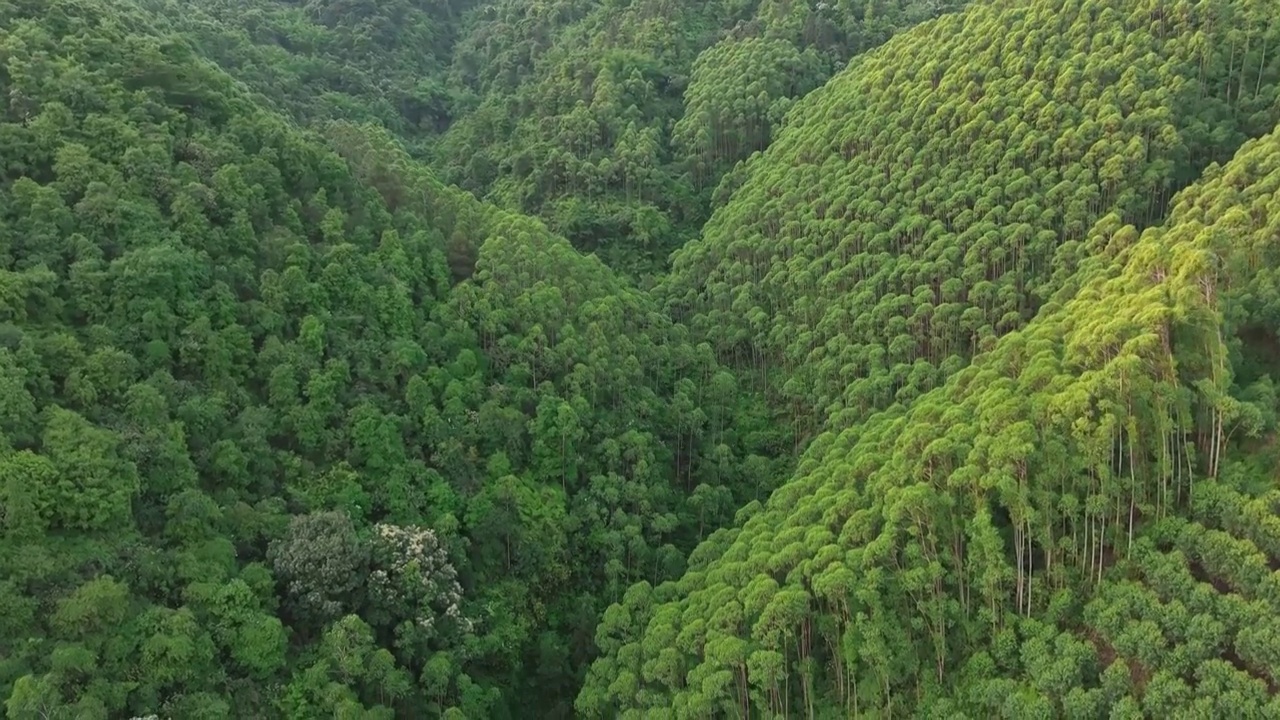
[1058, 531]
[284, 433]
[616, 125]
[343, 373]
[612, 120]
[930, 198]
[362, 60]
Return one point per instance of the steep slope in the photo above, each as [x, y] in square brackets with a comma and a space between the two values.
[573, 105]
[895, 574]
[648, 442]
[361, 60]
[930, 198]
[286, 431]
[1183, 628]
[563, 109]
[739, 90]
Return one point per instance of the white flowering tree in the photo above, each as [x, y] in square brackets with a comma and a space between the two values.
[321, 560]
[413, 586]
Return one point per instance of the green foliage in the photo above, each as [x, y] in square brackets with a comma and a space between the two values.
[614, 120]
[934, 559]
[564, 109]
[382, 61]
[932, 197]
[739, 90]
[270, 394]
[290, 428]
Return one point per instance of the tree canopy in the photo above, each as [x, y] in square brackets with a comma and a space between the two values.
[343, 373]
[930, 198]
[266, 385]
[1057, 530]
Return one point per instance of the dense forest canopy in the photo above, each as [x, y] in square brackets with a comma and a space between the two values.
[244, 375]
[613, 121]
[930, 198]
[639, 359]
[935, 559]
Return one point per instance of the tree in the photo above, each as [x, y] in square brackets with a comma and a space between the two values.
[322, 563]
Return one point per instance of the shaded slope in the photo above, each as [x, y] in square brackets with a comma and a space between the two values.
[626, 440]
[360, 60]
[286, 431]
[928, 199]
[563, 109]
[891, 573]
[575, 105]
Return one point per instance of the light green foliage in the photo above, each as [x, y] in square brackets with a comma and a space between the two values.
[933, 196]
[739, 90]
[912, 546]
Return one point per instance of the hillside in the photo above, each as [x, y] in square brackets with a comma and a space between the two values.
[342, 373]
[613, 121]
[929, 199]
[934, 561]
[384, 61]
[289, 427]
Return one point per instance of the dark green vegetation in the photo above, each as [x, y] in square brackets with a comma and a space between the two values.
[607, 119]
[292, 425]
[264, 406]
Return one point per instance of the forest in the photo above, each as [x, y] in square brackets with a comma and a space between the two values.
[622, 359]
